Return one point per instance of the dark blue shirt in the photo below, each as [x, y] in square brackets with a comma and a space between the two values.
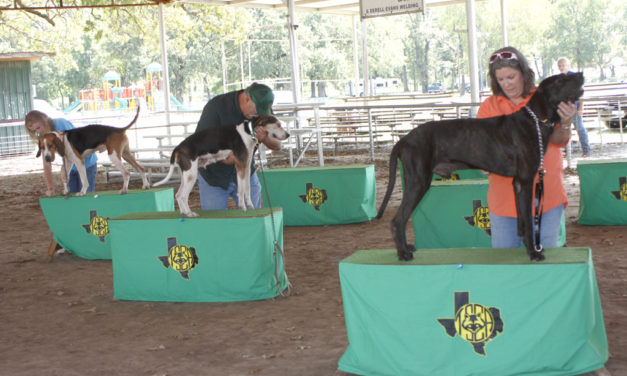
[222, 109]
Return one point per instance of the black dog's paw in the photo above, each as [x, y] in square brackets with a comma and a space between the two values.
[407, 254]
[536, 256]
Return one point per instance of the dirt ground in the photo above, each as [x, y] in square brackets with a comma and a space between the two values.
[60, 318]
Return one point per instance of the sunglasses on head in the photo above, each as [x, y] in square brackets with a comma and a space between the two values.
[506, 55]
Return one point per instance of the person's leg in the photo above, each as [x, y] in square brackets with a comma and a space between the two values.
[255, 191]
[504, 232]
[91, 178]
[212, 198]
[74, 181]
[583, 134]
[550, 227]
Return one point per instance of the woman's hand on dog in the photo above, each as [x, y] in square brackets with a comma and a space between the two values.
[561, 134]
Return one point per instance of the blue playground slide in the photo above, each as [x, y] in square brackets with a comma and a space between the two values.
[73, 107]
[179, 105]
[122, 102]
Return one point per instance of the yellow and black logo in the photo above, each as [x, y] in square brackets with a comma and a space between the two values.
[314, 196]
[480, 217]
[454, 176]
[99, 226]
[473, 322]
[180, 257]
[621, 194]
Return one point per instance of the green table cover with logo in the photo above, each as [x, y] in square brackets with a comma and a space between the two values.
[454, 214]
[80, 224]
[220, 256]
[603, 192]
[458, 312]
[469, 174]
[313, 196]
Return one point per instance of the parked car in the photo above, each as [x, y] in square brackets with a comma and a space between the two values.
[612, 115]
[435, 88]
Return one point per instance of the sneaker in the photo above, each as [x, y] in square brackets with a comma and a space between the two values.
[585, 155]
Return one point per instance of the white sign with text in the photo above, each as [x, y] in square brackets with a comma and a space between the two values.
[380, 8]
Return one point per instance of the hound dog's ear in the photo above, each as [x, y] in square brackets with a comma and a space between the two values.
[58, 144]
[38, 152]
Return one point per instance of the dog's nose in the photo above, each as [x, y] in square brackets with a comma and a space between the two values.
[48, 159]
[287, 134]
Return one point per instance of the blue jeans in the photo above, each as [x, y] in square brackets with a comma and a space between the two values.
[582, 133]
[505, 229]
[74, 181]
[216, 198]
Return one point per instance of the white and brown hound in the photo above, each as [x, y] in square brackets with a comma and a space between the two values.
[76, 144]
[213, 145]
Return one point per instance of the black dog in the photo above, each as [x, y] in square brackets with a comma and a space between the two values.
[213, 145]
[505, 145]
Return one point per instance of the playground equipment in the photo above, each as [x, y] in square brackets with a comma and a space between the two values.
[113, 96]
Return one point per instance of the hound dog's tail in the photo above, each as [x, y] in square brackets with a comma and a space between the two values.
[173, 162]
[132, 121]
[391, 181]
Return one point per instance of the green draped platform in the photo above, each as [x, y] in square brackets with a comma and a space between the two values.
[312, 196]
[603, 186]
[463, 312]
[80, 224]
[454, 214]
[220, 256]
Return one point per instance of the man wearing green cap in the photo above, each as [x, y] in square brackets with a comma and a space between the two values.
[218, 180]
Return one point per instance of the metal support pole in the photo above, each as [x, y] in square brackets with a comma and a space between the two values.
[355, 85]
[504, 23]
[364, 54]
[164, 63]
[472, 52]
[292, 27]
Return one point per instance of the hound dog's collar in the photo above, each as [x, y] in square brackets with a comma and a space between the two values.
[59, 134]
[249, 125]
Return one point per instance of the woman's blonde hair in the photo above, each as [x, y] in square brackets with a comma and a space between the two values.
[37, 117]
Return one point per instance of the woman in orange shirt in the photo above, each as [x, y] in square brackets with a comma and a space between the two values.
[512, 84]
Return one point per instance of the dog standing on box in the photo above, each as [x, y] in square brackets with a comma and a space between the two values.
[37, 124]
[77, 144]
[217, 182]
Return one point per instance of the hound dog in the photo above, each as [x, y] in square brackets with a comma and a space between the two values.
[77, 144]
[214, 144]
[505, 145]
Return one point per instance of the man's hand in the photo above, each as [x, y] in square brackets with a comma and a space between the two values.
[271, 143]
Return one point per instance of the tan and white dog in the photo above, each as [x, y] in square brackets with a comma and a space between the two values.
[213, 145]
[77, 144]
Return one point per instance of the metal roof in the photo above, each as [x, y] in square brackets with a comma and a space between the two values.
[345, 7]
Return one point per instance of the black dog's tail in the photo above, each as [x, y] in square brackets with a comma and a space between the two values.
[391, 181]
[133, 121]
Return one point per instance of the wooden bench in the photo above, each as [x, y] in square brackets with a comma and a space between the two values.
[154, 168]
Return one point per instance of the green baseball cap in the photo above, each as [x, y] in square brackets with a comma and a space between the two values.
[263, 98]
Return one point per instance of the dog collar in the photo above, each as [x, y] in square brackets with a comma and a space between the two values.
[540, 145]
[59, 134]
[252, 131]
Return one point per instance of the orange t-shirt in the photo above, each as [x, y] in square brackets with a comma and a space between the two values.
[501, 199]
